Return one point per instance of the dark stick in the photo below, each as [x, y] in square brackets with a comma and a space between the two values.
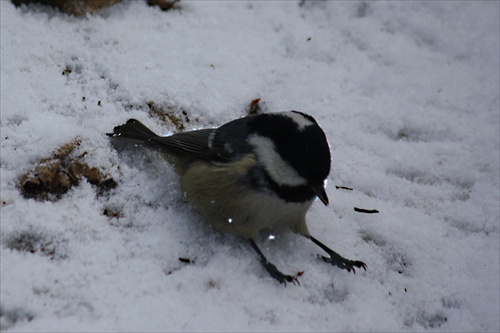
[366, 211]
[343, 188]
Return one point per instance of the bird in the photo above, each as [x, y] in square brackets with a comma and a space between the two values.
[254, 175]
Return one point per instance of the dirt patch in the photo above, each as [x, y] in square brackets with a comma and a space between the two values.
[81, 8]
[56, 174]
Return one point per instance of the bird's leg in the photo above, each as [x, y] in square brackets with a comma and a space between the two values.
[275, 273]
[337, 260]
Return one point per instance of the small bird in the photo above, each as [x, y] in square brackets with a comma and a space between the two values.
[253, 175]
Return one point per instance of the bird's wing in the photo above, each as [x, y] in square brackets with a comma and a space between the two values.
[204, 144]
[212, 144]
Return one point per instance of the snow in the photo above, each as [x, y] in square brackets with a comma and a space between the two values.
[406, 92]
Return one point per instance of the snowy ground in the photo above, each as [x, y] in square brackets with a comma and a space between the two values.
[407, 93]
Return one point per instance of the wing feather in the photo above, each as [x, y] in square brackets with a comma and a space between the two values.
[211, 144]
[202, 144]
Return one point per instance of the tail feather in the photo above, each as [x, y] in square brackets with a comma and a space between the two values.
[134, 132]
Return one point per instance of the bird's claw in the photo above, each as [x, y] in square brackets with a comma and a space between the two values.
[343, 263]
[290, 279]
[282, 278]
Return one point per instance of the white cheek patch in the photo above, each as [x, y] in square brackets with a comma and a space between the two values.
[299, 119]
[279, 170]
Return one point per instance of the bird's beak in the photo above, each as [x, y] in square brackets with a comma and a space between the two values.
[320, 192]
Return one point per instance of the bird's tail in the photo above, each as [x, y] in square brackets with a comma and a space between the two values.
[133, 131]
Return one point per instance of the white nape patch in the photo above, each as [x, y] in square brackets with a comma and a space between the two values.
[211, 138]
[279, 170]
[299, 119]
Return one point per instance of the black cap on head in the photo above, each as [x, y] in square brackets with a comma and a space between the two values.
[300, 141]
